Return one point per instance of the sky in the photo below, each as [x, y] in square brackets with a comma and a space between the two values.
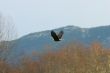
[39, 15]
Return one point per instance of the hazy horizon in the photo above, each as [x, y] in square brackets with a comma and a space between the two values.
[63, 26]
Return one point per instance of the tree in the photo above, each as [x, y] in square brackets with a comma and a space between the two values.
[7, 33]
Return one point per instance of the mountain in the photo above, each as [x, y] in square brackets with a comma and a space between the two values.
[40, 41]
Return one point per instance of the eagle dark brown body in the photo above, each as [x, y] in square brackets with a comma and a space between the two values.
[57, 37]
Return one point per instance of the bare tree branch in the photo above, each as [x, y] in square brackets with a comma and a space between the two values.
[7, 32]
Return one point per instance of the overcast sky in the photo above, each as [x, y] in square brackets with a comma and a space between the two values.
[38, 15]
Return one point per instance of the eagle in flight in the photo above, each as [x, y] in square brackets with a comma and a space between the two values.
[57, 37]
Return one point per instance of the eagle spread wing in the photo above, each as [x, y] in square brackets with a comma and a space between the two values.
[54, 35]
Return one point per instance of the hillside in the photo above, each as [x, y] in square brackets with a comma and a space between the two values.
[39, 41]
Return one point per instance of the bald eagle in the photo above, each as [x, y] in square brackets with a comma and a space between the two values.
[57, 37]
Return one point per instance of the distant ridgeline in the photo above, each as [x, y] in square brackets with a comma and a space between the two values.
[40, 41]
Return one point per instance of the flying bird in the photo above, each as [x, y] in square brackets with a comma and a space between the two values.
[57, 37]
